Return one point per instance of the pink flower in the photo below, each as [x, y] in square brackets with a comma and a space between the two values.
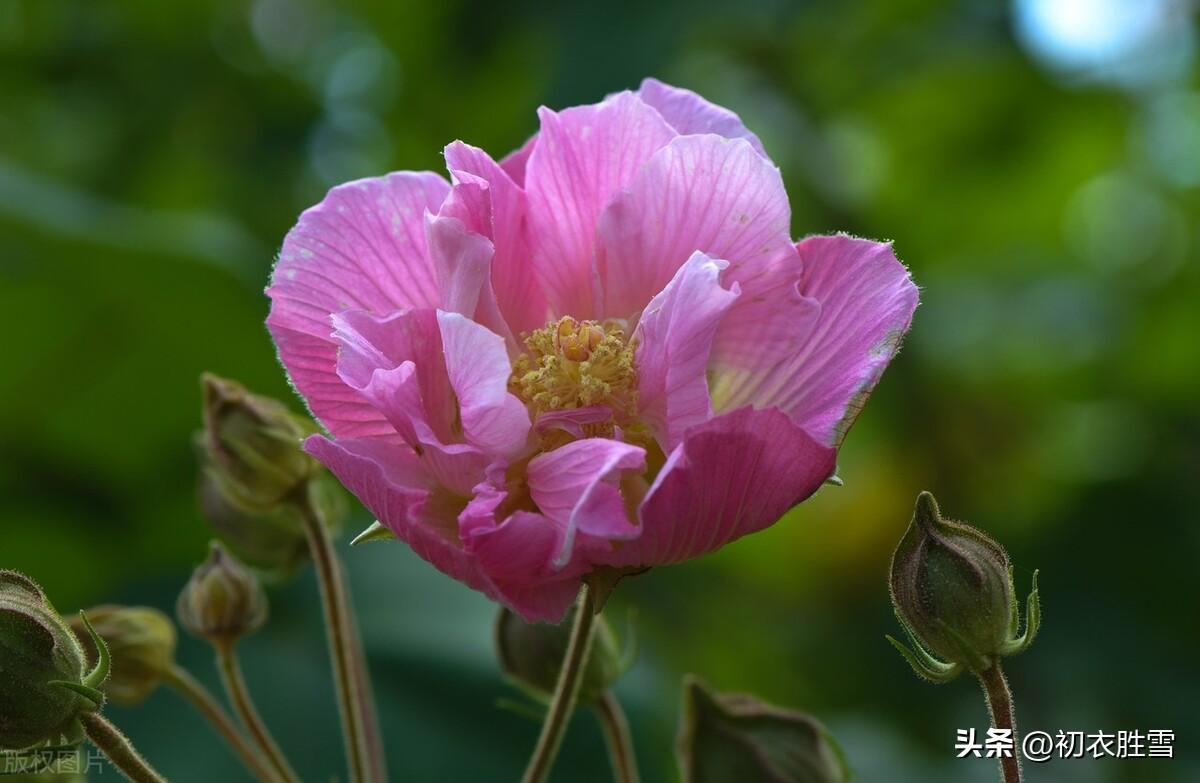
[604, 350]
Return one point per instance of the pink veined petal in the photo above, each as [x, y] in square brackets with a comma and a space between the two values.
[515, 162]
[583, 156]
[519, 548]
[699, 193]
[478, 367]
[688, 113]
[391, 482]
[866, 302]
[731, 476]
[576, 485]
[396, 363]
[674, 339]
[363, 247]
[463, 258]
[762, 326]
[571, 420]
[502, 218]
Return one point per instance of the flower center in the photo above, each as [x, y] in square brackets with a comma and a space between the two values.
[577, 364]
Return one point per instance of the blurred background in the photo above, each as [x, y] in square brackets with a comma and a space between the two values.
[1037, 164]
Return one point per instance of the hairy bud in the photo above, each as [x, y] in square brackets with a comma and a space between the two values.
[252, 446]
[531, 655]
[141, 641]
[223, 601]
[736, 737]
[44, 679]
[952, 589]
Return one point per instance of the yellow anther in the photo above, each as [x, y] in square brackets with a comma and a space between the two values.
[577, 364]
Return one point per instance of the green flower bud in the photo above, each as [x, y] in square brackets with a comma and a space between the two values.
[141, 641]
[952, 589]
[734, 736]
[252, 446]
[223, 600]
[273, 543]
[531, 655]
[44, 678]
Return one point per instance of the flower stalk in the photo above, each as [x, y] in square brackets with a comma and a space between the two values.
[243, 705]
[360, 726]
[210, 709]
[118, 749]
[1000, 705]
[618, 738]
[566, 692]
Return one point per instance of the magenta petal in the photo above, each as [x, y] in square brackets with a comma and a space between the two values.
[674, 338]
[576, 486]
[733, 475]
[688, 113]
[478, 367]
[396, 363]
[391, 482]
[583, 156]
[866, 302]
[699, 193]
[363, 247]
[501, 217]
[463, 259]
[515, 162]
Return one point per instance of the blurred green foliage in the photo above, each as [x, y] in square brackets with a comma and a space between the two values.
[152, 156]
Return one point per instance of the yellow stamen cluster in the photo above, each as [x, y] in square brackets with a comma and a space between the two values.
[577, 364]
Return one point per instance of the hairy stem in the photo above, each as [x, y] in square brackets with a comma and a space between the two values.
[117, 748]
[206, 704]
[562, 704]
[618, 739]
[243, 705]
[1000, 705]
[360, 726]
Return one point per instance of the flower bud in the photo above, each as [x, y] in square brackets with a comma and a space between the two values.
[44, 680]
[141, 641]
[732, 736]
[952, 588]
[531, 655]
[273, 543]
[223, 600]
[252, 446]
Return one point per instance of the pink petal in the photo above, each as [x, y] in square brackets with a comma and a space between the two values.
[674, 339]
[396, 363]
[572, 420]
[733, 475]
[463, 260]
[515, 162]
[866, 302]
[577, 486]
[688, 113]
[699, 193]
[478, 367]
[391, 482]
[583, 156]
[502, 219]
[362, 247]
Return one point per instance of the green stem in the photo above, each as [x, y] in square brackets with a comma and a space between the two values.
[243, 705]
[372, 737]
[114, 745]
[1000, 705]
[566, 691]
[618, 739]
[206, 704]
[360, 728]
